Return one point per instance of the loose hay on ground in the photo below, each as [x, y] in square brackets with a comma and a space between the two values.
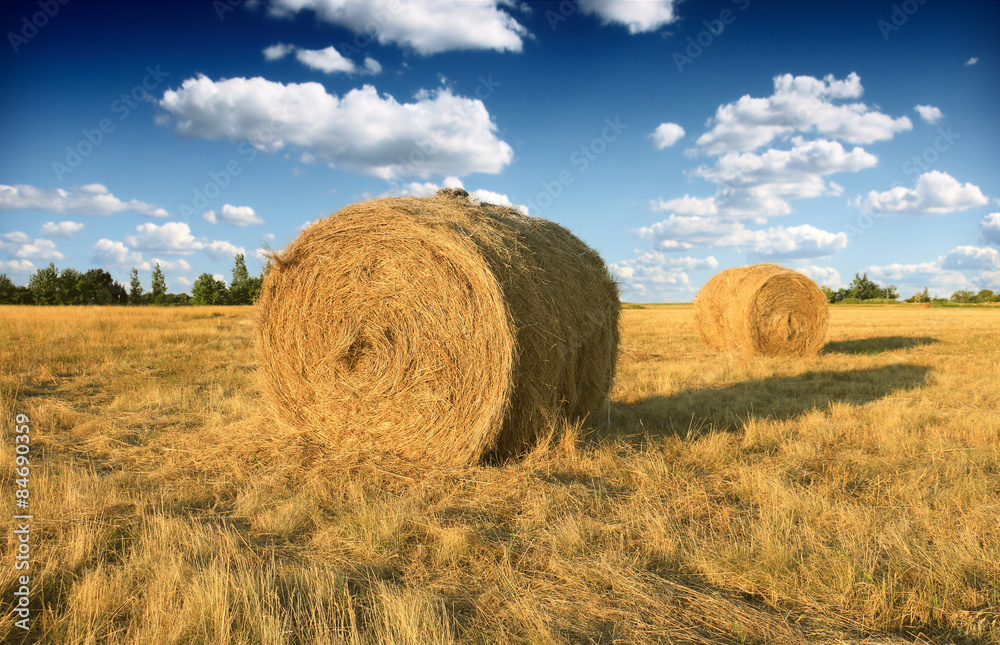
[762, 310]
[439, 329]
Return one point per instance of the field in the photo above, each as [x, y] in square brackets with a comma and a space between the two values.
[852, 496]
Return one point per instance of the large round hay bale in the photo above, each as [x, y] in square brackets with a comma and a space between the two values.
[438, 329]
[762, 310]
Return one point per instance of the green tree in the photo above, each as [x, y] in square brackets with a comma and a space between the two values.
[256, 283]
[119, 296]
[206, 290]
[985, 295]
[176, 299]
[240, 287]
[98, 287]
[159, 286]
[962, 295]
[838, 295]
[864, 288]
[71, 287]
[11, 294]
[44, 285]
[221, 293]
[7, 290]
[135, 290]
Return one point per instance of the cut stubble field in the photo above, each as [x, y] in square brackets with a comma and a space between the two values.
[851, 496]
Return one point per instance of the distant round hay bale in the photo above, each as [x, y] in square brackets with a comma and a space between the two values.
[762, 310]
[438, 329]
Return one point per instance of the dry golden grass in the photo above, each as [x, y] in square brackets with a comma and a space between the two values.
[851, 496]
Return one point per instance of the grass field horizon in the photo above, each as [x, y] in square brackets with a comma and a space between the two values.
[852, 496]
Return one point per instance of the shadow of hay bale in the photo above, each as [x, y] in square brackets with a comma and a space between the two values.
[876, 345]
[728, 408]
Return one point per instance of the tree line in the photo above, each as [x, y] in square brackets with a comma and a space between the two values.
[864, 289]
[50, 286]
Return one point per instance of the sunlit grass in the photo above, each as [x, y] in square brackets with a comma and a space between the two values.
[846, 496]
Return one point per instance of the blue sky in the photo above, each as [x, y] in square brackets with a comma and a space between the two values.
[677, 138]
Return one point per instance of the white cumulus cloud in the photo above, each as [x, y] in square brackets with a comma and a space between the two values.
[19, 246]
[490, 197]
[963, 258]
[802, 104]
[179, 264]
[16, 266]
[236, 215]
[172, 237]
[963, 267]
[687, 205]
[761, 184]
[278, 51]
[656, 276]
[972, 61]
[425, 188]
[111, 253]
[327, 60]
[438, 133]
[823, 276]
[638, 17]
[990, 228]
[666, 135]
[427, 27]
[222, 250]
[934, 193]
[92, 199]
[62, 229]
[929, 113]
[684, 232]
[175, 238]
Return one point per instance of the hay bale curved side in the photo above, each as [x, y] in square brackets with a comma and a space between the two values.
[437, 329]
[762, 310]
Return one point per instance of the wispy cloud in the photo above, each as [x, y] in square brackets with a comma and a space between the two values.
[92, 199]
[934, 193]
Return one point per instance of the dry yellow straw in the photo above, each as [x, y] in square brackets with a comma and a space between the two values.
[762, 310]
[438, 329]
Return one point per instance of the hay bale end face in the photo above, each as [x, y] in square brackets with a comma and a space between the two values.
[438, 329]
[762, 310]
